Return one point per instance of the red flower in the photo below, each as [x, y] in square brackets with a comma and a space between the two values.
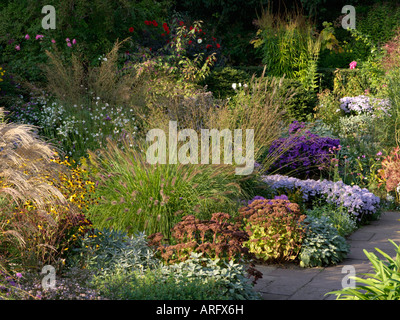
[190, 41]
[214, 39]
[147, 23]
[208, 46]
[162, 34]
[218, 46]
[155, 23]
[181, 23]
[131, 29]
[191, 28]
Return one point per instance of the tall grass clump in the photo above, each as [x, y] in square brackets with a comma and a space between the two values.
[289, 46]
[25, 158]
[36, 219]
[70, 80]
[135, 195]
[261, 107]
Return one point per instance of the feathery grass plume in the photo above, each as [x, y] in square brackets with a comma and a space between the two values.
[65, 80]
[25, 159]
[109, 83]
[259, 107]
[71, 80]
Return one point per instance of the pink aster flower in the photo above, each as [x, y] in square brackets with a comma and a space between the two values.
[353, 64]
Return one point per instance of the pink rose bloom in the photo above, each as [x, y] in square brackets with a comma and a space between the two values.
[353, 64]
[53, 41]
[73, 41]
[27, 37]
[69, 44]
[39, 36]
[17, 47]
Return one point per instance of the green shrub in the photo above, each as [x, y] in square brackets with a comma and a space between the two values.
[274, 228]
[289, 47]
[344, 223]
[328, 108]
[350, 82]
[300, 106]
[153, 285]
[195, 279]
[95, 26]
[104, 250]
[383, 285]
[220, 81]
[322, 246]
[380, 21]
[138, 196]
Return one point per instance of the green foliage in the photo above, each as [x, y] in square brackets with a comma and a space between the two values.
[105, 250]
[301, 104]
[220, 81]
[344, 223]
[350, 82]
[380, 21]
[95, 26]
[369, 76]
[154, 285]
[392, 124]
[138, 196]
[197, 278]
[289, 47]
[383, 285]
[274, 228]
[322, 246]
[328, 108]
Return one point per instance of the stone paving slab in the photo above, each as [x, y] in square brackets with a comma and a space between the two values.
[291, 282]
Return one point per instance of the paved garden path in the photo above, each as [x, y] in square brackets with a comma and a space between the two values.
[291, 282]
